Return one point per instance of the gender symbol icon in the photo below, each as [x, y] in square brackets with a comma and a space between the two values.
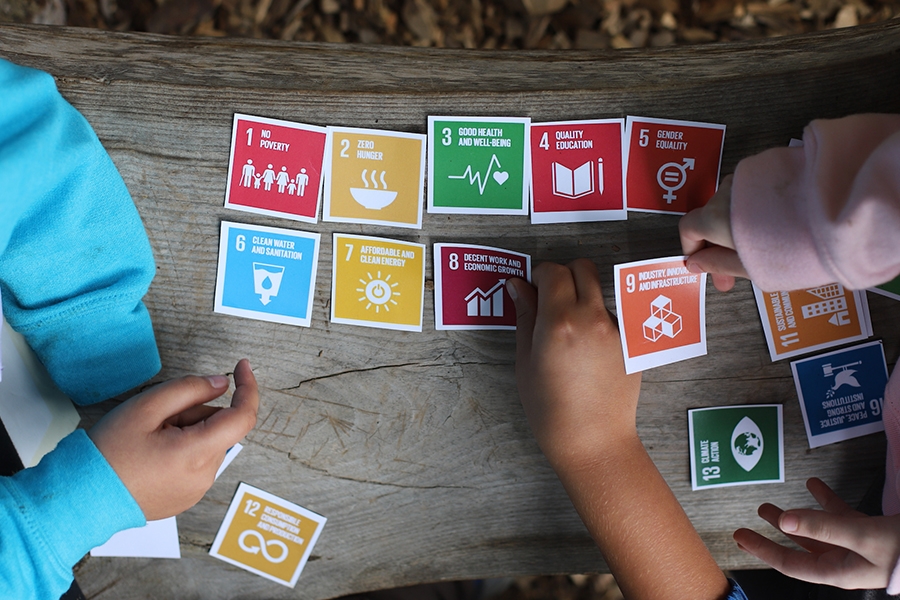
[672, 176]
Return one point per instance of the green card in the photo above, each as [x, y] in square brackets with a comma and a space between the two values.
[736, 445]
[891, 289]
[478, 165]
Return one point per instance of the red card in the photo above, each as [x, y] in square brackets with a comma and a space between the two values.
[576, 171]
[673, 166]
[469, 286]
[275, 168]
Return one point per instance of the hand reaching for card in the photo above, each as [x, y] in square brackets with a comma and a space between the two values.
[166, 445]
[844, 547]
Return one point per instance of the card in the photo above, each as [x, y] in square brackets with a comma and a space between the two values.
[842, 393]
[374, 176]
[470, 286]
[478, 165]
[377, 282]
[266, 535]
[275, 168]
[805, 321]
[156, 539]
[662, 312]
[672, 166]
[266, 273]
[891, 289]
[736, 445]
[577, 171]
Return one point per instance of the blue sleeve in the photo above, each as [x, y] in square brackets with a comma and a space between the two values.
[75, 260]
[736, 592]
[54, 513]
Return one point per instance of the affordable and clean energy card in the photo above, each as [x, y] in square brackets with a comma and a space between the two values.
[842, 393]
[267, 535]
[736, 445]
[470, 286]
[266, 273]
[672, 166]
[804, 321]
[661, 311]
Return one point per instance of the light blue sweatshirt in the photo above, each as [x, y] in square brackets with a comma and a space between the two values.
[74, 264]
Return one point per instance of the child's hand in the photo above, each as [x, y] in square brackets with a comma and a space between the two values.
[845, 548]
[706, 239]
[166, 446]
[569, 365]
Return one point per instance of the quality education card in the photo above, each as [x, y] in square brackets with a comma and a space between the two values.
[374, 176]
[891, 289]
[661, 311]
[266, 535]
[377, 282]
[577, 171]
[266, 273]
[842, 393]
[804, 321]
[478, 165]
[275, 168]
[470, 286]
[672, 166]
[736, 445]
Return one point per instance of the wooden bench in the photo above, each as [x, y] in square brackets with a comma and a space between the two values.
[414, 445]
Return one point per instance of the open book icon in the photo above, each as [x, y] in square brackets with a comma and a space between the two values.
[575, 183]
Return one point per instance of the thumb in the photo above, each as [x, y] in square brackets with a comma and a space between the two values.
[717, 260]
[173, 397]
[525, 297]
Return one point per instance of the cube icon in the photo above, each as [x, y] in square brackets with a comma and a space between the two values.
[662, 321]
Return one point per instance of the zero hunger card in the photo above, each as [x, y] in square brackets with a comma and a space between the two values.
[661, 310]
[266, 535]
[275, 168]
[470, 286]
[736, 445]
[672, 166]
[577, 171]
[266, 273]
[804, 321]
[377, 282]
[478, 165]
[842, 393]
[374, 176]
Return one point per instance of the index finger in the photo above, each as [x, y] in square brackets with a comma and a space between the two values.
[587, 281]
[229, 425]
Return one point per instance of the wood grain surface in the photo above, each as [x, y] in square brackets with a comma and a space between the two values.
[414, 446]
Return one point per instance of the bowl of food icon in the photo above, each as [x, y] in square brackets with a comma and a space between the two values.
[373, 199]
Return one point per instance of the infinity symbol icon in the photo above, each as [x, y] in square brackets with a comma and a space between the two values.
[263, 546]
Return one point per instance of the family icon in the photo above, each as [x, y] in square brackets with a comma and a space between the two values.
[297, 184]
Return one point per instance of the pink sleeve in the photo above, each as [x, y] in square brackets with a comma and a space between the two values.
[827, 212]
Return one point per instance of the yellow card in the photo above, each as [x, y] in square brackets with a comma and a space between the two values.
[267, 535]
[374, 176]
[377, 282]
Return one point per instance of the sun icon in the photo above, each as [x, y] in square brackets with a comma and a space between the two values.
[378, 292]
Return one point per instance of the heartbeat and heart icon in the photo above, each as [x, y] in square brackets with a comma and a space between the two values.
[500, 176]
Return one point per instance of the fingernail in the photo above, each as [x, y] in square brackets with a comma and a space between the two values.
[789, 523]
[694, 268]
[513, 292]
[217, 381]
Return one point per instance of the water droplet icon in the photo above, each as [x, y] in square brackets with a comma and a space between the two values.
[266, 283]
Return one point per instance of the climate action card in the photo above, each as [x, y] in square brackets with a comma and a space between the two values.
[662, 312]
[672, 166]
[275, 168]
[470, 286]
[577, 171]
[891, 289]
[478, 165]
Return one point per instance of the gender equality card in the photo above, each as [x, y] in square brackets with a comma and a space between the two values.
[275, 168]
[842, 393]
[266, 535]
[672, 166]
[736, 445]
[478, 165]
[470, 286]
[891, 289]
[577, 171]
[266, 273]
[661, 309]
[377, 282]
[374, 176]
[804, 321]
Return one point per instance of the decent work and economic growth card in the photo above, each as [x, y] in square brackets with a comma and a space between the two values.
[842, 393]
[804, 321]
[672, 166]
[266, 273]
[661, 309]
[736, 445]
[267, 535]
[275, 168]
[470, 286]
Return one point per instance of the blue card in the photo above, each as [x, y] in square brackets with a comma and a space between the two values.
[842, 393]
[266, 273]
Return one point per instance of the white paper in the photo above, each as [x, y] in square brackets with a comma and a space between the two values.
[156, 539]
